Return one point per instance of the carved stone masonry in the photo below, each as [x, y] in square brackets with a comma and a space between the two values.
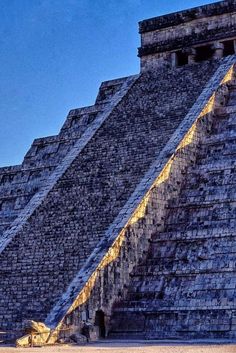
[164, 39]
[123, 224]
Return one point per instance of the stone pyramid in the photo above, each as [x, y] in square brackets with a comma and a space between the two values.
[126, 218]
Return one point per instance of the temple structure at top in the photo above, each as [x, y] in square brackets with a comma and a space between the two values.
[189, 36]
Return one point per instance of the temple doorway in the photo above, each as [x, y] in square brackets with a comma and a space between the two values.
[100, 322]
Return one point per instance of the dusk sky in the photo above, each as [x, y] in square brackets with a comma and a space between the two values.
[54, 55]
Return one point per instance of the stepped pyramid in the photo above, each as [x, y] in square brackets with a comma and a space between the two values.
[126, 218]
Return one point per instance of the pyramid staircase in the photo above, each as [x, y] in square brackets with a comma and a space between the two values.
[186, 288]
[53, 242]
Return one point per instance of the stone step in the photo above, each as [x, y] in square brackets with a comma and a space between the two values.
[173, 268]
[190, 324]
[210, 159]
[227, 153]
[201, 222]
[125, 333]
[79, 119]
[224, 111]
[206, 170]
[205, 180]
[191, 305]
[188, 235]
[188, 262]
[218, 139]
[207, 247]
[194, 181]
[145, 281]
[24, 175]
[8, 217]
[155, 306]
[224, 195]
[232, 85]
[218, 148]
[203, 201]
[172, 298]
[228, 222]
[207, 212]
[215, 166]
[221, 132]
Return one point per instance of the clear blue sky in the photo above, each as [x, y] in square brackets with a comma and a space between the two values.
[54, 55]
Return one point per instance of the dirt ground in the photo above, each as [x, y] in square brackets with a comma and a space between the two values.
[121, 347]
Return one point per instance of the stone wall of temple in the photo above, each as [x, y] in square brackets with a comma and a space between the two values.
[170, 39]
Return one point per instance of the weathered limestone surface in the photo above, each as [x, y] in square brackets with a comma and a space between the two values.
[186, 286]
[106, 275]
[18, 184]
[165, 36]
[126, 218]
[43, 257]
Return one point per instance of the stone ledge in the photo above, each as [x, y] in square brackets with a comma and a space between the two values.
[208, 36]
[177, 18]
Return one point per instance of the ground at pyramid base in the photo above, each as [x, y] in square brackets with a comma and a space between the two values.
[129, 347]
[122, 226]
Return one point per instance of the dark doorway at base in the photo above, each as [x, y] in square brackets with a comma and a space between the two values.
[100, 322]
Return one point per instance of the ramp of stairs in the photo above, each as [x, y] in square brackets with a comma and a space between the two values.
[185, 289]
[56, 238]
